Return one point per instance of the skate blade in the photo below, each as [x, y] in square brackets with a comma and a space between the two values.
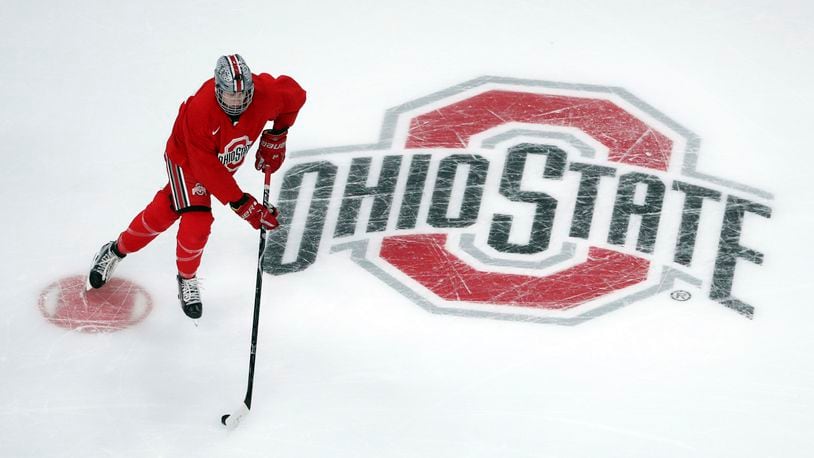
[88, 287]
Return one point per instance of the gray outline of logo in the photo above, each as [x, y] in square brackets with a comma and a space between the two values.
[386, 139]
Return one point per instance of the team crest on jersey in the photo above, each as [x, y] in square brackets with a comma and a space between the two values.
[235, 152]
[198, 190]
[522, 200]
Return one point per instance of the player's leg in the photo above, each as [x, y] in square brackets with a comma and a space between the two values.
[193, 203]
[153, 220]
[156, 218]
[193, 233]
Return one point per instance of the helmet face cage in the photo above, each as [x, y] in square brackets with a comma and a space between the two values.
[233, 76]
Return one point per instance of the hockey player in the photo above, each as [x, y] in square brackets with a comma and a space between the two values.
[209, 141]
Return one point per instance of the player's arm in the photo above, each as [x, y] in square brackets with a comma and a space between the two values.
[271, 152]
[293, 96]
[214, 176]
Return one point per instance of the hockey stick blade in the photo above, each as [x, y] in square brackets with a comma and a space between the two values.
[231, 420]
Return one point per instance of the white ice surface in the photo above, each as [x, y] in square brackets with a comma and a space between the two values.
[88, 93]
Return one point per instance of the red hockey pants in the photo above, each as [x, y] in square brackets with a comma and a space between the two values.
[157, 217]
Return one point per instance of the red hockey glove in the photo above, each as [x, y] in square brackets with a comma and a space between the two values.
[271, 152]
[255, 213]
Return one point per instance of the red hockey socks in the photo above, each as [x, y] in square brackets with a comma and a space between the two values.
[193, 233]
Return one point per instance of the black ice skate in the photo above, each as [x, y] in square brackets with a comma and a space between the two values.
[103, 265]
[190, 297]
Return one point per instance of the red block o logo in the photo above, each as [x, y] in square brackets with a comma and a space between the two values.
[425, 258]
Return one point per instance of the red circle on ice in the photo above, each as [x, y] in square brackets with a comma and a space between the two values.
[117, 305]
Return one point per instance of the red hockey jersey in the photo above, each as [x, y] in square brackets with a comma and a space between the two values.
[208, 145]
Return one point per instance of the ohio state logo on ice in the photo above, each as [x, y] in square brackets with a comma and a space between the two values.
[521, 200]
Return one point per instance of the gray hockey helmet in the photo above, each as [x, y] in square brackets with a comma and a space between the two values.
[234, 88]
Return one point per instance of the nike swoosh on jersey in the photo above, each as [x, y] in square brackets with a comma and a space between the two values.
[215, 131]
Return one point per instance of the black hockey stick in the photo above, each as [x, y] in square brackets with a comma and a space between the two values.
[233, 419]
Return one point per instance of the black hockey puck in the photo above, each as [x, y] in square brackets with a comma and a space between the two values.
[223, 419]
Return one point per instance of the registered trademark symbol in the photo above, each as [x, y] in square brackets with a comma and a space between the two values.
[680, 295]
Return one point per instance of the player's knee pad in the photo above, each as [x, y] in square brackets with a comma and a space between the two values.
[195, 228]
[159, 214]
